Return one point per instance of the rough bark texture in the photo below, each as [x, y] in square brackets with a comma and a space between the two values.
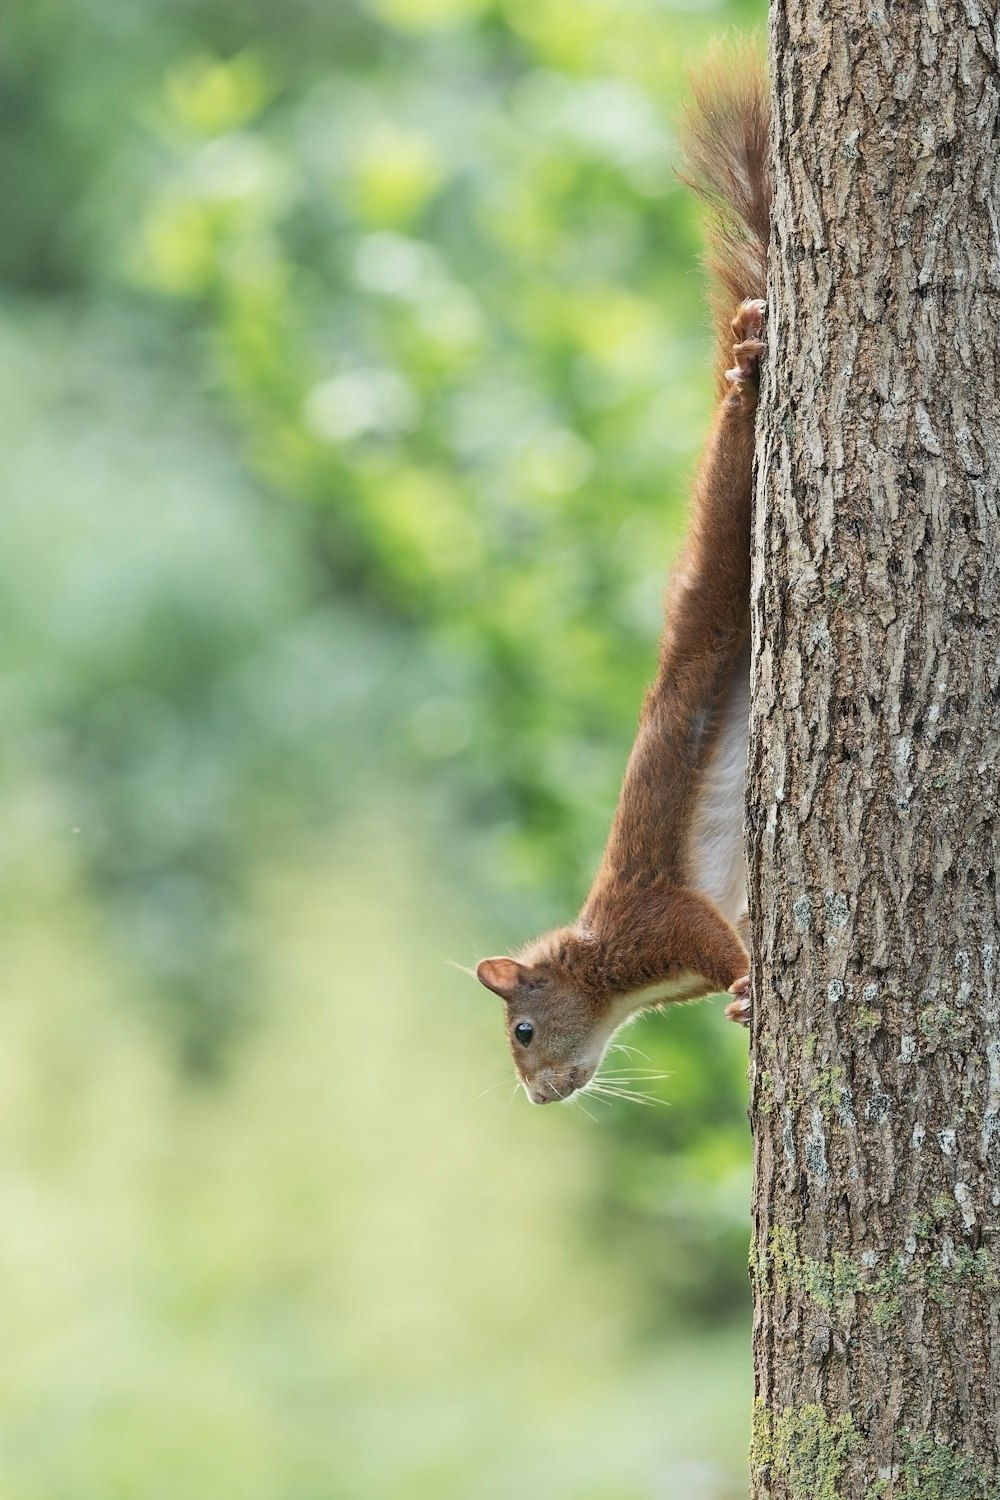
[874, 763]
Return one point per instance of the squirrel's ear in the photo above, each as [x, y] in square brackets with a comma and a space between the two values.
[501, 975]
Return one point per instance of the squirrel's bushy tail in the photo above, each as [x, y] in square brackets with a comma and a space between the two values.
[726, 138]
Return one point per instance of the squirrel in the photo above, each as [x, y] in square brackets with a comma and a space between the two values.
[666, 917]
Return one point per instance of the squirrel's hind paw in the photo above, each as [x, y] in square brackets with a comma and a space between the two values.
[748, 325]
[740, 1009]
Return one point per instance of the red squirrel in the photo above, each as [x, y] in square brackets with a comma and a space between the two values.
[666, 917]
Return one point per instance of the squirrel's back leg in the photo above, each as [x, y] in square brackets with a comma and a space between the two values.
[708, 612]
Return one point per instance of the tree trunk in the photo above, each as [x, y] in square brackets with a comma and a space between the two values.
[874, 756]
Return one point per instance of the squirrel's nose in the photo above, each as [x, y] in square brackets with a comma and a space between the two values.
[544, 1091]
[551, 1090]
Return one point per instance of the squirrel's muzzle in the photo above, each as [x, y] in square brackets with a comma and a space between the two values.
[552, 1088]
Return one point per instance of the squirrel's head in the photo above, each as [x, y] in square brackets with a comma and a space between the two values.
[558, 1020]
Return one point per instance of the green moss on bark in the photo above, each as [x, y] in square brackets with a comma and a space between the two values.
[930, 1470]
[802, 1447]
[834, 1283]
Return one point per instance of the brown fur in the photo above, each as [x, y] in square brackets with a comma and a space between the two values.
[644, 924]
[726, 138]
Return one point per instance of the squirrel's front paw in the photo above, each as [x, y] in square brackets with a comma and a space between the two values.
[748, 325]
[740, 1009]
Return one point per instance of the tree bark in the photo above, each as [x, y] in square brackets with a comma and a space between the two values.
[875, 742]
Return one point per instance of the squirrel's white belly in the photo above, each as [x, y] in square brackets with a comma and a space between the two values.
[718, 866]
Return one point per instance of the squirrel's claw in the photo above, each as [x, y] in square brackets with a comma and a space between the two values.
[748, 325]
[740, 1009]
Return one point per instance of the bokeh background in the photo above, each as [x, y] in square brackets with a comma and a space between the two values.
[353, 362]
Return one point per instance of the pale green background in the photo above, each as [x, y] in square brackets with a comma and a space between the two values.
[352, 363]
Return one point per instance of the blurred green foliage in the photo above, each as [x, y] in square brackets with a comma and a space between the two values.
[339, 1272]
[353, 361]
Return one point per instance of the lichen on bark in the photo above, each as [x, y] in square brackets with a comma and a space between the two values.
[800, 1447]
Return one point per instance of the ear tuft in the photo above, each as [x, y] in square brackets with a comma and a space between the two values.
[504, 976]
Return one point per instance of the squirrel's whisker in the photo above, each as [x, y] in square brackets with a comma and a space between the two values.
[624, 1047]
[618, 1093]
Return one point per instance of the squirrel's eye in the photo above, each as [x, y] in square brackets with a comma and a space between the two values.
[524, 1031]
